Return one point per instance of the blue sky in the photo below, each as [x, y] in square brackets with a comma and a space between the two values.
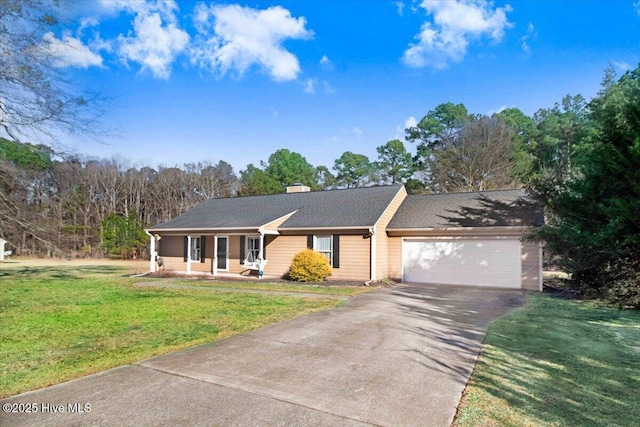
[205, 81]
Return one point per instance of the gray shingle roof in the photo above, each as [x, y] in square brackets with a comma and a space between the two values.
[357, 207]
[478, 209]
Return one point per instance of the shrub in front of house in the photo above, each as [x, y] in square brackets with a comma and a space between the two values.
[309, 266]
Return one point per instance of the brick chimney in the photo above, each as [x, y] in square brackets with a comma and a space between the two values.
[298, 188]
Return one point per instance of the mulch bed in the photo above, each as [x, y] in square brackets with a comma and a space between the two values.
[241, 278]
[561, 288]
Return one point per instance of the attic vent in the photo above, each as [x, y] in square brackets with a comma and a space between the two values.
[298, 188]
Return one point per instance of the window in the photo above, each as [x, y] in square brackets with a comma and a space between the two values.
[195, 248]
[323, 244]
[253, 248]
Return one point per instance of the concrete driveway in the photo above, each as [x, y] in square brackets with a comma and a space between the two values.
[399, 356]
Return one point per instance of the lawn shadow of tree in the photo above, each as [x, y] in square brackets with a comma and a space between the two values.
[61, 272]
[562, 368]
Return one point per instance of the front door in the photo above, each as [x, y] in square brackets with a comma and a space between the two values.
[222, 253]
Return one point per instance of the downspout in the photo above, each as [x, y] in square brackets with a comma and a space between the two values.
[374, 250]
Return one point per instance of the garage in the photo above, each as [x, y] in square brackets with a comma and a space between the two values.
[474, 262]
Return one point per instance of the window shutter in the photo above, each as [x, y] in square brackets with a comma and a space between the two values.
[186, 248]
[310, 241]
[242, 239]
[336, 251]
[203, 248]
[264, 248]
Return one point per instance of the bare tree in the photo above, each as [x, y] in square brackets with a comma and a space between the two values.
[35, 98]
[481, 158]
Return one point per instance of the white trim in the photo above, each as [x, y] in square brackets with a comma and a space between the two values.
[507, 229]
[2, 243]
[212, 230]
[326, 229]
[152, 252]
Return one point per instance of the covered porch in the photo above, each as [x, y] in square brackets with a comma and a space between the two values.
[214, 252]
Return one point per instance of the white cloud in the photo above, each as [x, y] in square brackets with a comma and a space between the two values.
[327, 87]
[400, 129]
[310, 85]
[622, 66]
[454, 24]
[524, 40]
[498, 110]
[70, 52]
[357, 132]
[156, 40]
[326, 63]
[637, 6]
[232, 37]
[400, 7]
[410, 122]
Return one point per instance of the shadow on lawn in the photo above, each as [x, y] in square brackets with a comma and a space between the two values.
[61, 272]
[564, 367]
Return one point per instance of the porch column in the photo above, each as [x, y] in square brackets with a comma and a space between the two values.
[152, 253]
[2, 243]
[261, 252]
[215, 255]
[188, 254]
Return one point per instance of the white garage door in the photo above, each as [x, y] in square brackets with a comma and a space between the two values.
[463, 262]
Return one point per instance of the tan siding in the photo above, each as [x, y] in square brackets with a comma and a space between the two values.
[395, 258]
[234, 254]
[208, 247]
[382, 240]
[200, 267]
[171, 246]
[280, 252]
[174, 264]
[273, 225]
[178, 264]
[531, 270]
[354, 258]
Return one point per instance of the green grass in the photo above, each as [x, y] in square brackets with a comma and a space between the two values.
[557, 363]
[267, 286]
[59, 323]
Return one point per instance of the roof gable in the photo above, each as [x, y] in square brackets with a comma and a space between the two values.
[501, 208]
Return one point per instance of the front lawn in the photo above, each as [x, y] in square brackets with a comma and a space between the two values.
[557, 363]
[60, 322]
